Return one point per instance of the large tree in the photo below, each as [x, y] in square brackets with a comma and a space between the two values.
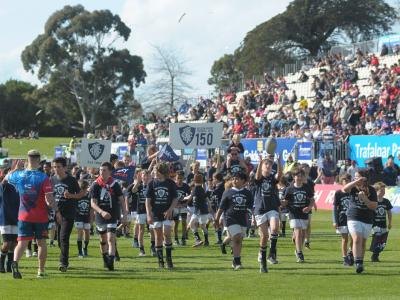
[77, 50]
[223, 72]
[17, 111]
[308, 26]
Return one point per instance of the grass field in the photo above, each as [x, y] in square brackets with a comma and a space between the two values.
[204, 273]
[17, 148]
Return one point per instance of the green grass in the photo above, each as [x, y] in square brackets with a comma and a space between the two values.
[204, 273]
[17, 148]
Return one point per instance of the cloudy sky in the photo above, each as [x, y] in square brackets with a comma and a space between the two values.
[209, 29]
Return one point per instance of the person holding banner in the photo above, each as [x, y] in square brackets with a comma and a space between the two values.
[161, 199]
[380, 227]
[107, 200]
[360, 214]
[266, 209]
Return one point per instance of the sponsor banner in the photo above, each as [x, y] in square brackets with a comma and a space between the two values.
[325, 195]
[195, 135]
[363, 147]
[255, 147]
[94, 152]
[304, 151]
[201, 157]
[58, 152]
[124, 174]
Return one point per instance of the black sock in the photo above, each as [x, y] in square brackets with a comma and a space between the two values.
[359, 260]
[283, 227]
[183, 236]
[105, 257]
[196, 236]
[168, 251]
[111, 258]
[10, 256]
[136, 240]
[236, 259]
[141, 248]
[160, 254]
[79, 243]
[3, 258]
[30, 245]
[274, 240]
[153, 244]
[176, 238]
[35, 247]
[219, 233]
[86, 245]
[206, 237]
[263, 251]
[252, 231]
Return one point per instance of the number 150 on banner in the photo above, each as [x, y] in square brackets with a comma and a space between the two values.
[195, 135]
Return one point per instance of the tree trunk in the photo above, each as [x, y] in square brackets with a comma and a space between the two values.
[172, 93]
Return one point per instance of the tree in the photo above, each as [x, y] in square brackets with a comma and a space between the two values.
[76, 53]
[308, 26]
[17, 112]
[171, 86]
[223, 72]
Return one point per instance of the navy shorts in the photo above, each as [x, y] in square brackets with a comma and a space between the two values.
[28, 230]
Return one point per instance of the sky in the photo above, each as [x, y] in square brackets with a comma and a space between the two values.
[208, 30]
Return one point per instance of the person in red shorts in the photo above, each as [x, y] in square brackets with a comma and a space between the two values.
[36, 197]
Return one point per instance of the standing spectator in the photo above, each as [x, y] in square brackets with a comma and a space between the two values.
[390, 172]
[328, 170]
[36, 196]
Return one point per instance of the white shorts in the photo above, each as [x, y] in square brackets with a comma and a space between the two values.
[379, 230]
[141, 219]
[9, 229]
[342, 230]
[359, 227]
[51, 225]
[180, 210]
[284, 217]
[298, 223]
[236, 229]
[201, 219]
[132, 216]
[190, 210]
[261, 219]
[106, 227]
[210, 217]
[162, 223]
[81, 225]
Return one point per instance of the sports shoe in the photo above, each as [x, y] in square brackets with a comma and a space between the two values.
[51, 244]
[236, 267]
[198, 243]
[142, 253]
[34, 254]
[218, 242]
[206, 244]
[41, 274]
[161, 265]
[259, 258]
[176, 243]
[346, 262]
[223, 249]
[15, 272]
[375, 258]
[80, 256]
[110, 264]
[135, 244]
[170, 265]
[183, 242]
[9, 266]
[299, 256]
[85, 252]
[153, 252]
[359, 268]
[272, 260]
[2, 269]
[307, 245]
[350, 258]
[62, 268]
[263, 269]
[28, 253]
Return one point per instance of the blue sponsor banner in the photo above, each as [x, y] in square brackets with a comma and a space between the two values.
[201, 154]
[121, 151]
[58, 152]
[304, 151]
[124, 174]
[363, 147]
[255, 147]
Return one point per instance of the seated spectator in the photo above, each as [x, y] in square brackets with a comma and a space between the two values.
[303, 77]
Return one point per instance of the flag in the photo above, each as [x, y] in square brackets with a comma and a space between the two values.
[167, 154]
[124, 174]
